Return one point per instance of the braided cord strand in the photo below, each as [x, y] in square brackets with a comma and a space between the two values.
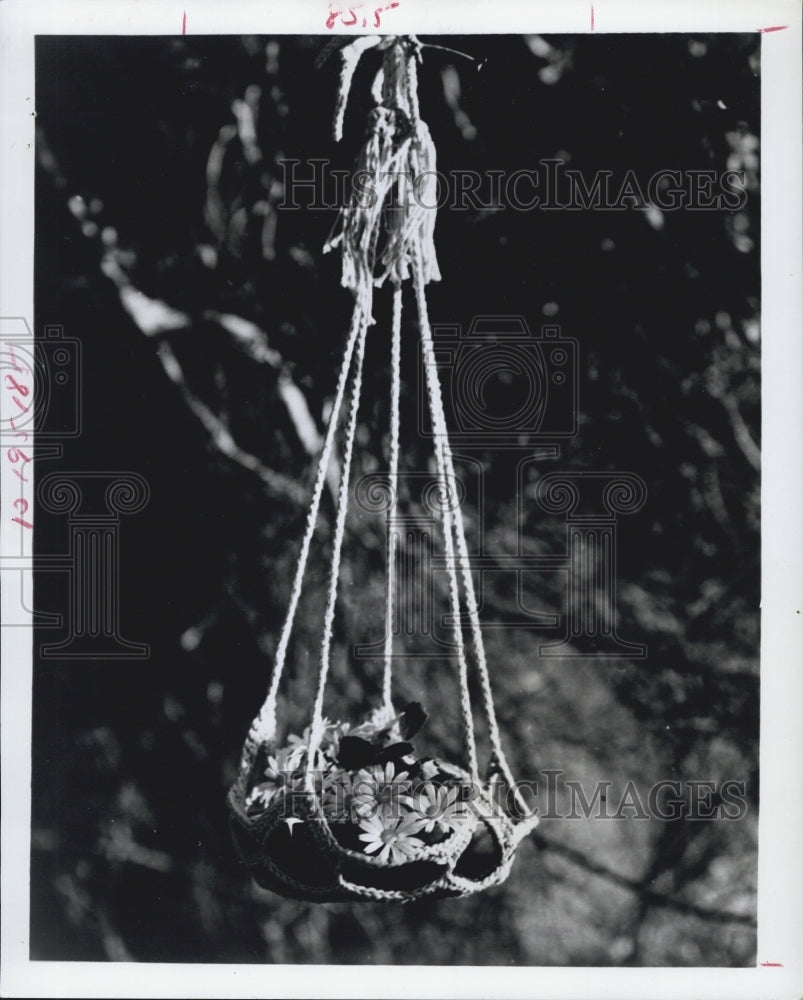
[454, 596]
[438, 423]
[442, 444]
[316, 728]
[264, 726]
[392, 530]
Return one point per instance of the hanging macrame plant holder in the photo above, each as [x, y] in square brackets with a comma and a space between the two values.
[283, 827]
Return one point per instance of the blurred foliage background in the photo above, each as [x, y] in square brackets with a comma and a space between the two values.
[211, 325]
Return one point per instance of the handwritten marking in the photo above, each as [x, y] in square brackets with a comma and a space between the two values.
[592, 16]
[772, 965]
[184, 23]
[336, 11]
[778, 27]
[381, 10]
[20, 389]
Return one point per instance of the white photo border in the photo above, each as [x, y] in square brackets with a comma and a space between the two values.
[779, 969]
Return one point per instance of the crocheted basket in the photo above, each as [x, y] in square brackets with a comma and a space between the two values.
[308, 859]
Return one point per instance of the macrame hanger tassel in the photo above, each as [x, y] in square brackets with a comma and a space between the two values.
[412, 220]
[398, 161]
[350, 55]
[362, 217]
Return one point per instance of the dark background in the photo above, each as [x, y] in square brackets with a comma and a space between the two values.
[131, 857]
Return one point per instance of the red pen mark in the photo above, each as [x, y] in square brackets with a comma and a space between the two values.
[381, 10]
[12, 383]
[19, 388]
[778, 27]
[592, 16]
[353, 19]
[771, 965]
[184, 24]
[17, 368]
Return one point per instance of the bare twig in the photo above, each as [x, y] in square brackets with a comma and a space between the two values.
[215, 209]
[276, 482]
[638, 887]
[253, 341]
[741, 433]
[155, 318]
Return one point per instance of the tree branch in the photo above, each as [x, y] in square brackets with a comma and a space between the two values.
[637, 887]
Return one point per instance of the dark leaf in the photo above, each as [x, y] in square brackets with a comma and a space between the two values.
[394, 752]
[413, 718]
[356, 752]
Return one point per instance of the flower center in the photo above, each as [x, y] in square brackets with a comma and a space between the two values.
[388, 836]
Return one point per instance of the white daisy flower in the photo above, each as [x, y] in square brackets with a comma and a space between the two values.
[439, 806]
[390, 839]
[380, 790]
[280, 774]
